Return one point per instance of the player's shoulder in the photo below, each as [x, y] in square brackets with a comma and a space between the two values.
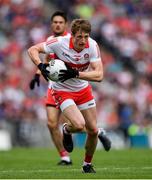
[68, 34]
[92, 42]
[57, 41]
[52, 41]
[63, 38]
[49, 38]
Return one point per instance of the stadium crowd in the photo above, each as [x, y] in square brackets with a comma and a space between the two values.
[124, 30]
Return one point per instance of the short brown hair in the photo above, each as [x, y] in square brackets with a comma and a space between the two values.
[59, 13]
[80, 24]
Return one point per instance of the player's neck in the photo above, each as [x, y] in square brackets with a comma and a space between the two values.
[59, 34]
[56, 35]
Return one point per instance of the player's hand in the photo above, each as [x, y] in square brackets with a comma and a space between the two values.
[34, 81]
[67, 74]
[42, 67]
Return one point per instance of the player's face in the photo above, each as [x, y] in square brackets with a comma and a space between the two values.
[58, 25]
[80, 39]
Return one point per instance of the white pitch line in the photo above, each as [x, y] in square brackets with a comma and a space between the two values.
[72, 169]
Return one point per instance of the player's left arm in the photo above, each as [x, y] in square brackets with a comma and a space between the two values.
[95, 72]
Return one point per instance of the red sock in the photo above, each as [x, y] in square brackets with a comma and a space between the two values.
[88, 158]
[63, 153]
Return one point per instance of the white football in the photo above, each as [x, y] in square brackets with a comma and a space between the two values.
[54, 67]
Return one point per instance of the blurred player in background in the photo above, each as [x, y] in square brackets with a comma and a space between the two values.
[73, 92]
[58, 27]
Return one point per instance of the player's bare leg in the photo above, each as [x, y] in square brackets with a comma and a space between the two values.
[53, 125]
[77, 124]
[72, 128]
[92, 138]
[78, 121]
[75, 117]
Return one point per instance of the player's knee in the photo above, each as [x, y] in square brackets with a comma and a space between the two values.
[80, 127]
[92, 132]
[52, 125]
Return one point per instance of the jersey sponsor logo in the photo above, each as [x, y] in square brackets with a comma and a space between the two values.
[75, 58]
[66, 55]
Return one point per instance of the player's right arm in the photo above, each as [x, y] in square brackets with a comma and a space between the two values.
[33, 53]
[36, 79]
[47, 48]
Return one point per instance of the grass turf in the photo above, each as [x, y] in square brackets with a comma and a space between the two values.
[36, 163]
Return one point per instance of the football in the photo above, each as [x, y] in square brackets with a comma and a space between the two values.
[54, 67]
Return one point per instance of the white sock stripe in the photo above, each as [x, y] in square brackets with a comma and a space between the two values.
[85, 163]
[66, 158]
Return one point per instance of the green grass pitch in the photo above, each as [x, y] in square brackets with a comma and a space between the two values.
[36, 163]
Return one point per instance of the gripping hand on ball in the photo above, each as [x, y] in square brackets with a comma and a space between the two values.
[67, 74]
[34, 81]
[42, 67]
